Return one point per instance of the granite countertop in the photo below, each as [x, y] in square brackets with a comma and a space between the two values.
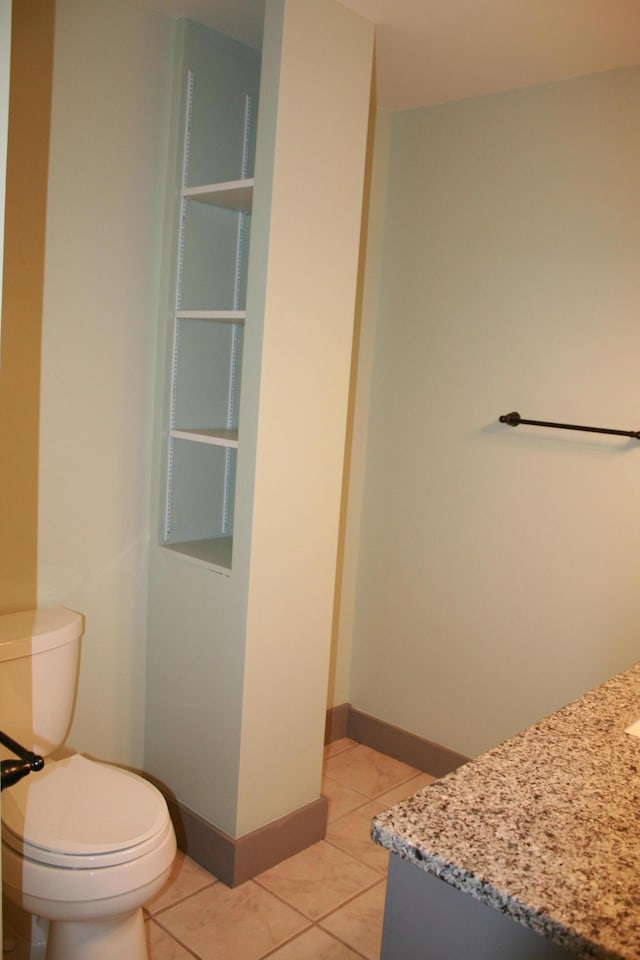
[545, 827]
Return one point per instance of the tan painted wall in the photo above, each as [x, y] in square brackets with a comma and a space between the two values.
[23, 276]
[5, 64]
[5, 58]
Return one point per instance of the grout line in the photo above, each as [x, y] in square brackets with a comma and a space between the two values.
[349, 946]
[169, 906]
[338, 753]
[352, 898]
[285, 943]
[396, 785]
[354, 950]
[343, 903]
[179, 942]
[279, 897]
[326, 916]
[332, 820]
[375, 796]
[317, 922]
[342, 784]
[383, 873]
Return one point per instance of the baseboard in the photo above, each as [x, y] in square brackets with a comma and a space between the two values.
[337, 722]
[400, 744]
[269, 845]
[234, 861]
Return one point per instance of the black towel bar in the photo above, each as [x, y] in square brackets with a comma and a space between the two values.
[514, 419]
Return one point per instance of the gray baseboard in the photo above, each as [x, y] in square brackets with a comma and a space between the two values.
[337, 722]
[432, 758]
[234, 861]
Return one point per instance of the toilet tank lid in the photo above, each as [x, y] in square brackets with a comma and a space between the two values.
[33, 631]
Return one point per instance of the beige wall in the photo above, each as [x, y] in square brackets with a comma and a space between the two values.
[362, 367]
[111, 92]
[311, 282]
[499, 568]
[25, 209]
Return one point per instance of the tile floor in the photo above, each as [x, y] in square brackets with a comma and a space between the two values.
[325, 903]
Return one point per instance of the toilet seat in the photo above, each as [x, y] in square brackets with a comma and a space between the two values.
[81, 814]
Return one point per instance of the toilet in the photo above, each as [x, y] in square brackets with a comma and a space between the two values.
[84, 844]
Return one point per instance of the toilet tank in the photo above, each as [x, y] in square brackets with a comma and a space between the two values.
[39, 656]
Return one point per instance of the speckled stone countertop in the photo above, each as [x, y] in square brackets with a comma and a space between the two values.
[545, 827]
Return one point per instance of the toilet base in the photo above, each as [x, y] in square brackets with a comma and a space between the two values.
[98, 940]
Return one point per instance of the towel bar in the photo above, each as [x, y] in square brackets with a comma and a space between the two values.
[514, 419]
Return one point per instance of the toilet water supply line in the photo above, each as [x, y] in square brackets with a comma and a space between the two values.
[14, 770]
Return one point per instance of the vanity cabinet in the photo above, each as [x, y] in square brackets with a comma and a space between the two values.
[426, 917]
[218, 107]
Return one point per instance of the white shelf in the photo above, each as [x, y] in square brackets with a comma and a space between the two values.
[213, 245]
[221, 438]
[232, 195]
[207, 553]
[222, 316]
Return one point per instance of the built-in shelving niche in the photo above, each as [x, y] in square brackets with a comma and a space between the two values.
[211, 280]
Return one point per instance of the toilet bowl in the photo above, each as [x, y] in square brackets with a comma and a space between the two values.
[84, 845]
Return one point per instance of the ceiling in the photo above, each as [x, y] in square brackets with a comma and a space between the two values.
[432, 51]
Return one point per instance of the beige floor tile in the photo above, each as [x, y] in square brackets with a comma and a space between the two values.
[163, 947]
[318, 879]
[338, 746]
[186, 878]
[341, 799]
[352, 833]
[404, 790]
[240, 924]
[314, 944]
[367, 771]
[359, 923]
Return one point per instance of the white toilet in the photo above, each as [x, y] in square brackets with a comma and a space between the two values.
[84, 844]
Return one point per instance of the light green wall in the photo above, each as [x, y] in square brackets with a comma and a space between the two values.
[499, 568]
[111, 86]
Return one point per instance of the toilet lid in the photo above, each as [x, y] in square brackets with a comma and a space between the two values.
[77, 812]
